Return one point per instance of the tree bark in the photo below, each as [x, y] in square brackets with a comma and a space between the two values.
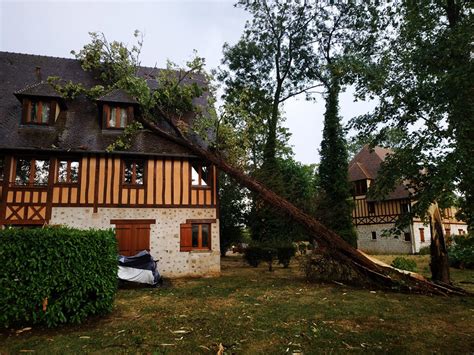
[333, 245]
[439, 264]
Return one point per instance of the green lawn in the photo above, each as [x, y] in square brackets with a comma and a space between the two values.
[254, 311]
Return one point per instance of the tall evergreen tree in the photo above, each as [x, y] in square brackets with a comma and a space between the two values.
[334, 207]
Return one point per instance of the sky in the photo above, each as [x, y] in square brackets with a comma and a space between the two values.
[172, 30]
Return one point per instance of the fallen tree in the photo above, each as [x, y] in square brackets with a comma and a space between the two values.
[365, 271]
[161, 111]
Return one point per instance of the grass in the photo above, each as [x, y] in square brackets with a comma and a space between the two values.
[251, 310]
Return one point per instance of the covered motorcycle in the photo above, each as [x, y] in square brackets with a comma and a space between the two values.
[139, 268]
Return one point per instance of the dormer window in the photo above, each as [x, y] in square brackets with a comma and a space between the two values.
[36, 111]
[117, 116]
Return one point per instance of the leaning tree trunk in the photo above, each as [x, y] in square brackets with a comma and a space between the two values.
[439, 264]
[333, 245]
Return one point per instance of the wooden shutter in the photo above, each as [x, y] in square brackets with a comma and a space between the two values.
[186, 240]
[129, 115]
[142, 237]
[422, 235]
[52, 112]
[106, 116]
[132, 235]
[123, 233]
[25, 111]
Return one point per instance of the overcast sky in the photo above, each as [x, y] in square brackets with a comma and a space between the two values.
[172, 30]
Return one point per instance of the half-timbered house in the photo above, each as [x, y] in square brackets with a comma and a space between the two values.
[374, 219]
[55, 169]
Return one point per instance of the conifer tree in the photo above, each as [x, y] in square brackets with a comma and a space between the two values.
[334, 205]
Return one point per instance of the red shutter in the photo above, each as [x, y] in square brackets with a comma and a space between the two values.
[52, 112]
[186, 243]
[106, 116]
[123, 233]
[129, 115]
[422, 235]
[142, 241]
[26, 110]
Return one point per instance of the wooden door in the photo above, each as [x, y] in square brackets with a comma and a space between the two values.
[132, 236]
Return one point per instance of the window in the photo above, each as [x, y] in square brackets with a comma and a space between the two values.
[133, 172]
[448, 232]
[405, 207]
[201, 175]
[461, 231]
[374, 235]
[68, 171]
[360, 187]
[32, 172]
[407, 236]
[371, 207]
[36, 112]
[422, 235]
[196, 235]
[117, 116]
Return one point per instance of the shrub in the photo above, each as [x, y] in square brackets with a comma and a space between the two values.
[253, 255]
[268, 254]
[425, 251]
[404, 264]
[285, 253]
[56, 275]
[461, 251]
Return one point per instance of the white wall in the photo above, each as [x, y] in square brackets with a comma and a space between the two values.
[164, 235]
[383, 244]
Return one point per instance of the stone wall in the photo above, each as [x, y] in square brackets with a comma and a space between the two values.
[164, 235]
[383, 244]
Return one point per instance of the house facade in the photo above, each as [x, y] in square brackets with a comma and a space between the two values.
[55, 169]
[373, 219]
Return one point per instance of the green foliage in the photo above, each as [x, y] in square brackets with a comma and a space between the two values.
[425, 251]
[295, 182]
[461, 251]
[404, 264]
[56, 275]
[422, 80]
[334, 207]
[253, 255]
[232, 212]
[268, 252]
[285, 253]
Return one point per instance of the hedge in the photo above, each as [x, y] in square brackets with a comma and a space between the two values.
[56, 275]
[461, 251]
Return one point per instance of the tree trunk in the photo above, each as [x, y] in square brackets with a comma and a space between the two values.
[333, 245]
[439, 264]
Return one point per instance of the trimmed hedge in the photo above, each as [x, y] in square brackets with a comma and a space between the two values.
[404, 264]
[268, 252]
[56, 275]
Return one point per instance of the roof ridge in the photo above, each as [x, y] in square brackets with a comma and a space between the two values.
[38, 55]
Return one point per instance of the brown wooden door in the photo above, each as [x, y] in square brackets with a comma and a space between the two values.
[132, 238]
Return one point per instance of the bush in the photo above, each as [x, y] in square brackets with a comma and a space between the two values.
[268, 252]
[56, 275]
[404, 264]
[425, 251]
[253, 255]
[285, 253]
[461, 251]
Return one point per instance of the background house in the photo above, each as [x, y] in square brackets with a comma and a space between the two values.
[54, 168]
[374, 218]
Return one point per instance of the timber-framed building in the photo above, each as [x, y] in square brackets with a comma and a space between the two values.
[55, 168]
[373, 219]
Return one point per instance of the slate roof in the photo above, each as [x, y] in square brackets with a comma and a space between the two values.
[38, 89]
[77, 128]
[119, 96]
[366, 164]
